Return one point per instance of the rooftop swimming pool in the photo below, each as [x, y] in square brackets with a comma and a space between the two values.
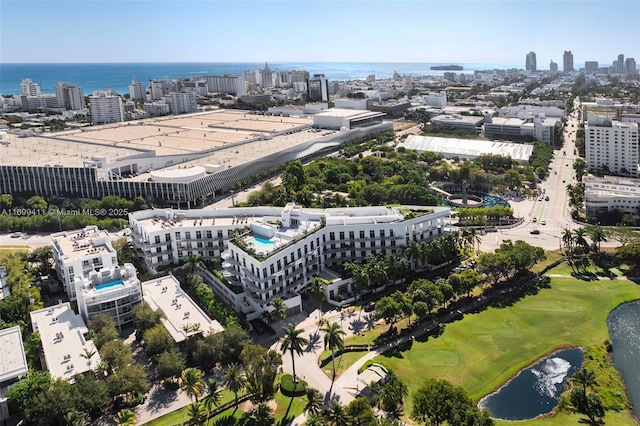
[261, 244]
[105, 286]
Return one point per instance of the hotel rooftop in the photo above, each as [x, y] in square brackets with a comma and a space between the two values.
[179, 309]
[63, 336]
[79, 244]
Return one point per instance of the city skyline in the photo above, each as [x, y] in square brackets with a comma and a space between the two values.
[349, 31]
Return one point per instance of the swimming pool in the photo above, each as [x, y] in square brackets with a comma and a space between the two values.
[262, 244]
[104, 286]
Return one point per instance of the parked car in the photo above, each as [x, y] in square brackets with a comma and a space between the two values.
[534, 231]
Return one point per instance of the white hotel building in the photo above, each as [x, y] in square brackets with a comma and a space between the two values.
[604, 194]
[274, 252]
[611, 144]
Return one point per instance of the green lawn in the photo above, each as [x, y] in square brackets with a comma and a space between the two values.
[181, 416]
[481, 351]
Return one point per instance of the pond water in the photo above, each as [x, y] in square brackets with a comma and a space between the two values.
[535, 390]
[624, 332]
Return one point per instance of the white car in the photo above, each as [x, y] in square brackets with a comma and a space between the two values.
[543, 222]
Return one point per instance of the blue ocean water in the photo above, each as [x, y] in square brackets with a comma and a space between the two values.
[117, 76]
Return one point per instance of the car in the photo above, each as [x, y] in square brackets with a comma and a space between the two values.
[546, 198]
[563, 181]
[543, 222]
[534, 231]
[535, 219]
[16, 235]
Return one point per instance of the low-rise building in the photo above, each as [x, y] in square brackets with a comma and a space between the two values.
[467, 123]
[112, 291]
[13, 364]
[65, 348]
[605, 194]
[182, 316]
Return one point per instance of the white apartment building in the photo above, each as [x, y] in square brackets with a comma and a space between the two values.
[274, 252]
[63, 334]
[13, 365]
[157, 108]
[29, 88]
[159, 88]
[232, 84]
[182, 102]
[106, 107]
[112, 291]
[137, 90]
[438, 100]
[78, 253]
[611, 145]
[70, 97]
[604, 194]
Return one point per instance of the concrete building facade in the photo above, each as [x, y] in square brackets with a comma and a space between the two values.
[106, 107]
[605, 194]
[611, 146]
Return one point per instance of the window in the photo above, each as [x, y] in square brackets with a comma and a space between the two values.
[157, 239]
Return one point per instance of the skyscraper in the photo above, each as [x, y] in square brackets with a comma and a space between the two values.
[29, 88]
[553, 67]
[317, 89]
[630, 66]
[137, 91]
[620, 67]
[567, 61]
[531, 62]
[69, 97]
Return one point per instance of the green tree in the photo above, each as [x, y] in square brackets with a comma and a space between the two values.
[393, 393]
[360, 412]
[6, 201]
[261, 367]
[125, 417]
[116, 354]
[279, 311]
[584, 377]
[337, 414]
[170, 363]
[157, 340]
[317, 292]
[294, 177]
[128, 380]
[21, 394]
[103, 329]
[262, 415]
[37, 203]
[75, 418]
[197, 414]
[193, 262]
[294, 343]
[234, 380]
[314, 402]
[51, 405]
[192, 383]
[145, 317]
[214, 396]
[334, 340]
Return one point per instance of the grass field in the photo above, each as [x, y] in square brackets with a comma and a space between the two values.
[13, 249]
[481, 351]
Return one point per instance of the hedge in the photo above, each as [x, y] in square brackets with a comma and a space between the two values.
[288, 388]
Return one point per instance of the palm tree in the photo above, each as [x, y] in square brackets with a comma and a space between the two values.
[394, 266]
[334, 340]
[337, 414]
[567, 239]
[315, 419]
[75, 418]
[597, 235]
[88, 353]
[279, 310]
[192, 383]
[316, 291]
[585, 378]
[580, 240]
[234, 379]
[197, 414]
[214, 396]
[414, 252]
[193, 261]
[125, 417]
[314, 402]
[293, 342]
[262, 415]
[359, 278]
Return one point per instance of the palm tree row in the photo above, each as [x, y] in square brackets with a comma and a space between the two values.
[377, 271]
[576, 244]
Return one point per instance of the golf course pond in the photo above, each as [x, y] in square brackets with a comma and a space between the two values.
[624, 331]
[536, 389]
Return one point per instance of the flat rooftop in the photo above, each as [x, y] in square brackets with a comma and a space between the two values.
[62, 333]
[13, 362]
[162, 136]
[81, 243]
[179, 309]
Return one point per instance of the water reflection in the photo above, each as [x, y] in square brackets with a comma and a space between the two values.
[624, 332]
[535, 390]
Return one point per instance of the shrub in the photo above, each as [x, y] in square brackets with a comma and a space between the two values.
[170, 384]
[290, 389]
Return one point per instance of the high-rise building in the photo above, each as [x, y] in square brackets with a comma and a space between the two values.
[591, 67]
[630, 66]
[567, 61]
[29, 88]
[531, 62]
[69, 97]
[620, 67]
[182, 102]
[553, 67]
[137, 91]
[317, 89]
[159, 88]
[611, 146]
[231, 84]
[106, 107]
[264, 77]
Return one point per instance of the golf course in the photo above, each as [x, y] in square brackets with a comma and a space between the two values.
[482, 350]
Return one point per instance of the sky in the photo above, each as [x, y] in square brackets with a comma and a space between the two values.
[456, 31]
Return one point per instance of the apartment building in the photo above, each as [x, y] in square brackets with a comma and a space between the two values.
[65, 348]
[183, 102]
[70, 97]
[274, 252]
[112, 291]
[106, 107]
[78, 253]
[611, 146]
[13, 365]
[137, 90]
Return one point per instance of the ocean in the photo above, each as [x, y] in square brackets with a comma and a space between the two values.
[117, 76]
